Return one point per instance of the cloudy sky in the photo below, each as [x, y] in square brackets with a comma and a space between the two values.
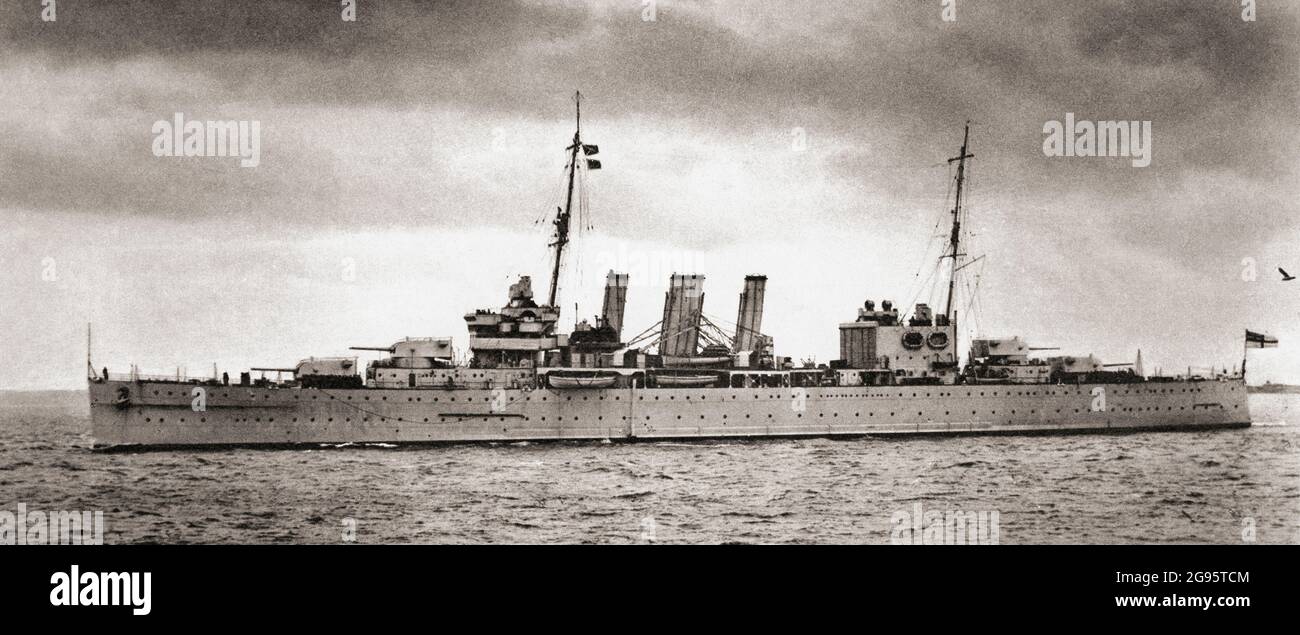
[406, 157]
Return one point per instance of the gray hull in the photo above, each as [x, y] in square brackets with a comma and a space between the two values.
[159, 414]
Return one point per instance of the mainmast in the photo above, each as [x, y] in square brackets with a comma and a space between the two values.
[954, 241]
[562, 216]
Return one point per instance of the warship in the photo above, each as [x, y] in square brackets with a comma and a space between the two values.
[898, 373]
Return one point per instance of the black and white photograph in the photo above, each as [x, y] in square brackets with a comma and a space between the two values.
[964, 273]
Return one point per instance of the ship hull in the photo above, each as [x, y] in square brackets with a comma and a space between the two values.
[168, 414]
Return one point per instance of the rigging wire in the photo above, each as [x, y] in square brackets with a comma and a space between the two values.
[974, 307]
[579, 229]
[929, 286]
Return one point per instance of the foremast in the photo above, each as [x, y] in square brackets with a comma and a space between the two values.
[563, 216]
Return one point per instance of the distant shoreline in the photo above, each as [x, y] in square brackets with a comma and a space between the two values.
[1274, 389]
[41, 391]
[44, 398]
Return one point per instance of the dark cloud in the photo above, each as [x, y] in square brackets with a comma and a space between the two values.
[1211, 38]
[455, 31]
[881, 88]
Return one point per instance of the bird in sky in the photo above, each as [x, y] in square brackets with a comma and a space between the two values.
[1286, 277]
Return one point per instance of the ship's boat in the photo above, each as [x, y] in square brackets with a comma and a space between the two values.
[685, 381]
[580, 379]
[672, 360]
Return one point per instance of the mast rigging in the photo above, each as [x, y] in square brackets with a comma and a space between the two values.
[954, 240]
[562, 216]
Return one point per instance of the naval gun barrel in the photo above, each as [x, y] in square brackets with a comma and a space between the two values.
[386, 349]
[275, 370]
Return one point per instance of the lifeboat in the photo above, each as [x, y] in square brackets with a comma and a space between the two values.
[570, 380]
[671, 361]
[685, 381]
